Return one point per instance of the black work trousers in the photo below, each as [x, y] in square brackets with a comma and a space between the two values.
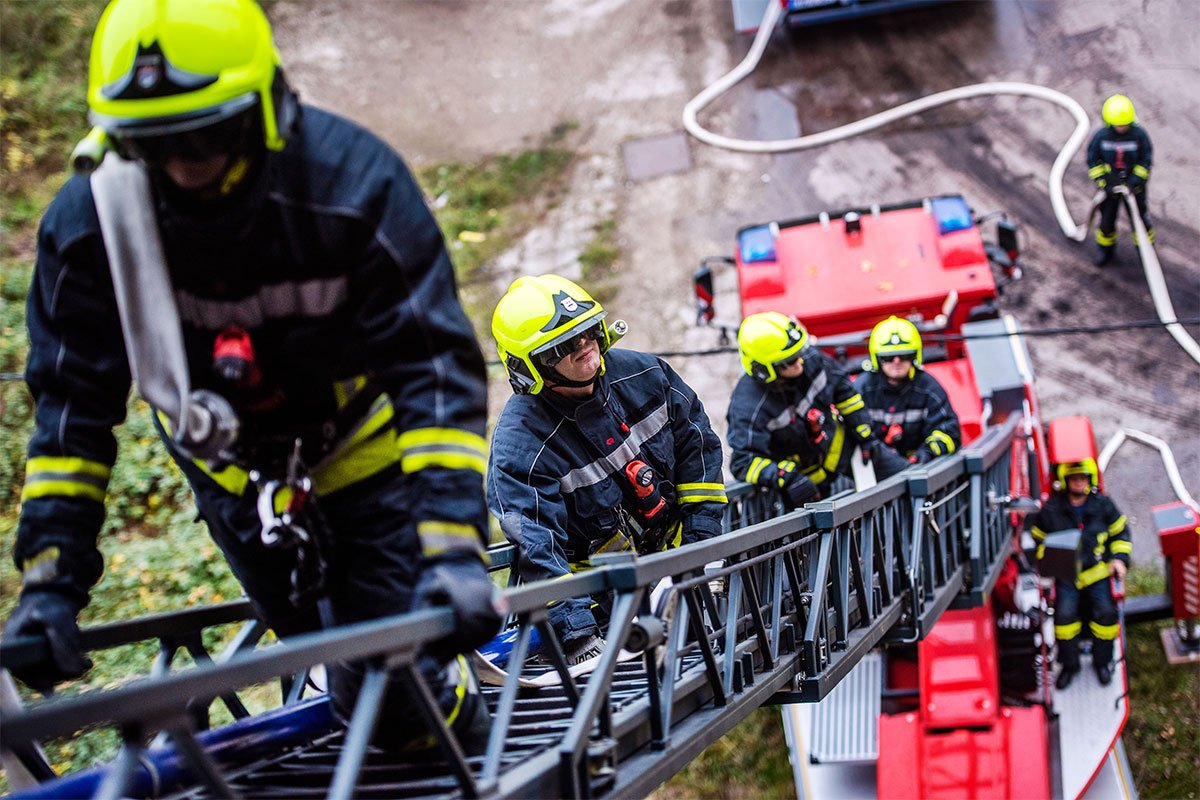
[1106, 231]
[1097, 601]
[373, 561]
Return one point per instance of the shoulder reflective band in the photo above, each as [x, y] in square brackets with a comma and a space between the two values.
[1141, 171]
[449, 448]
[701, 493]
[65, 476]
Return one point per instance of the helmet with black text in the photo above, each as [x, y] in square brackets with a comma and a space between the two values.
[541, 320]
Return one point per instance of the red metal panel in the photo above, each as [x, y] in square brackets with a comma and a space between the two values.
[959, 683]
[958, 379]
[1180, 542]
[898, 263]
[897, 776]
[1071, 439]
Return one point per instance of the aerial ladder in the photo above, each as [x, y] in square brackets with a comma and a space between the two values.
[802, 598]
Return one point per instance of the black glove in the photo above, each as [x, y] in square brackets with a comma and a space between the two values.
[886, 460]
[798, 487]
[922, 456]
[461, 582]
[49, 615]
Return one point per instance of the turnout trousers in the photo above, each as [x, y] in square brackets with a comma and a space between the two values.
[1102, 621]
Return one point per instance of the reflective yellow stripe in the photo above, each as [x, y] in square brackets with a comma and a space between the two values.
[816, 474]
[756, 468]
[701, 493]
[835, 449]
[851, 404]
[1101, 183]
[449, 448]
[1121, 546]
[1105, 632]
[1096, 171]
[1041, 552]
[619, 543]
[1037, 533]
[65, 476]
[943, 440]
[1141, 171]
[1065, 633]
[1118, 526]
[1094, 573]
[439, 536]
[1105, 240]
[460, 691]
[358, 459]
[863, 431]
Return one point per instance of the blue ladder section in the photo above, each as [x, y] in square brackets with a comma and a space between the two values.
[799, 600]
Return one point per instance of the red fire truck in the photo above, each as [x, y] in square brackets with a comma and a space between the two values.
[970, 710]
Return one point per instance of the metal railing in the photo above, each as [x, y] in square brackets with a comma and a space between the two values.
[786, 607]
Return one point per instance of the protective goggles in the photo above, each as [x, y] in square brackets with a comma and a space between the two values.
[789, 361]
[884, 358]
[193, 140]
[552, 355]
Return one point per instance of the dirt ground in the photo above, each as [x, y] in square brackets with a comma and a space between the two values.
[457, 80]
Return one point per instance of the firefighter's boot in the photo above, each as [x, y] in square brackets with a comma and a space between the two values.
[1104, 254]
[1065, 676]
[1104, 674]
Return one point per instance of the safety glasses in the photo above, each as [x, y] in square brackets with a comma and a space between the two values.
[551, 356]
[887, 358]
[230, 136]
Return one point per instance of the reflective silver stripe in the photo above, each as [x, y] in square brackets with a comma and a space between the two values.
[800, 409]
[898, 417]
[315, 298]
[473, 452]
[601, 468]
[43, 476]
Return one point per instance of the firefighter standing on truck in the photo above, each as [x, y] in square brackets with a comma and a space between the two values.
[598, 450]
[1119, 155]
[909, 409]
[304, 261]
[1105, 548]
[795, 418]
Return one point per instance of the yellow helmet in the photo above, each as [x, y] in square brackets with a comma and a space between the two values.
[190, 74]
[1118, 110]
[1085, 467]
[537, 322]
[895, 337]
[769, 341]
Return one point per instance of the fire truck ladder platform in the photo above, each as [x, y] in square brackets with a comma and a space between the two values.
[788, 605]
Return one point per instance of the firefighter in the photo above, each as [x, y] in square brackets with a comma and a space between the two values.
[909, 409]
[1119, 155]
[598, 450]
[304, 241]
[1105, 548]
[792, 412]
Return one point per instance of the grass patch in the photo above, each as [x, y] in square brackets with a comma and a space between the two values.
[599, 262]
[750, 761]
[1164, 715]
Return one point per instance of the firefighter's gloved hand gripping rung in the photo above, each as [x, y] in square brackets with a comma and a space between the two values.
[202, 422]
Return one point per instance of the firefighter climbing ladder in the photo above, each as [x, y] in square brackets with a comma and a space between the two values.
[806, 596]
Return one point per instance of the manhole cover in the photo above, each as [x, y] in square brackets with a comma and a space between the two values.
[655, 156]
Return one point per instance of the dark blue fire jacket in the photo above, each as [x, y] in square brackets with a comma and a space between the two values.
[768, 422]
[928, 426]
[557, 482]
[336, 268]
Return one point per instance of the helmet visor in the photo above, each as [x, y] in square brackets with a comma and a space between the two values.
[893, 355]
[552, 355]
[231, 131]
[789, 361]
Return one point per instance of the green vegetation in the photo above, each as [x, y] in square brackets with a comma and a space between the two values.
[598, 261]
[1164, 718]
[751, 762]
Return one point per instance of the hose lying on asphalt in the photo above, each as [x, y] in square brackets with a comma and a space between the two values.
[1164, 451]
[1073, 230]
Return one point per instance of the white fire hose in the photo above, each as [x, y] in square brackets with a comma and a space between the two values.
[1073, 230]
